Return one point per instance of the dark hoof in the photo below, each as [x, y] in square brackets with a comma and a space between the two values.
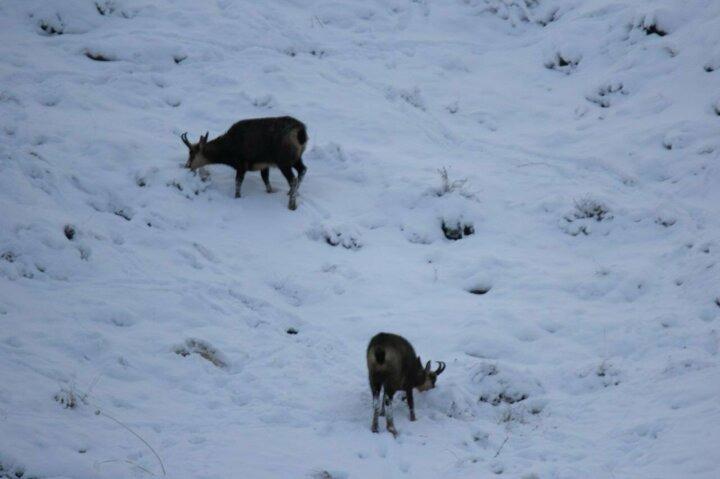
[292, 206]
[392, 430]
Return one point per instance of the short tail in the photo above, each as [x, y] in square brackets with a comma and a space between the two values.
[302, 136]
[379, 355]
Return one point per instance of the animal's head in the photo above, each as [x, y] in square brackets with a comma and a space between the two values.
[197, 158]
[425, 378]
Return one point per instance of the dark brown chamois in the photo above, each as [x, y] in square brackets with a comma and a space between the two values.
[393, 366]
[256, 144]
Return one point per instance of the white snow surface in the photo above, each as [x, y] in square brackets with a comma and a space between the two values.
[581, 139]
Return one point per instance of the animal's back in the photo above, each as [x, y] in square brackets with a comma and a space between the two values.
[388, 351]
[269, 127]
[267, 137]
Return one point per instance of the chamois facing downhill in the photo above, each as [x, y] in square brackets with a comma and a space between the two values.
[256, 144]
[392, 366]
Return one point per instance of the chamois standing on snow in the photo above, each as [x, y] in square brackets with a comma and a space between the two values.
[256, 144]
[392, 366]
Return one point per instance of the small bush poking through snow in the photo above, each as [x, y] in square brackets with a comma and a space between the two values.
[508, 387]
[67, 398]
[111, 8]
[13, 472]
[202, 348]
[448, 186]
[329, 475]
[339, 235]
[590, 208]
[106, 7]
[69, 231]
[608, 373]
[562, 62]
[52, 25]
[603, 95]
[665, 221]
[521, 11]
[594, 377]
[412, 97]
[587, 211]
[650, 25]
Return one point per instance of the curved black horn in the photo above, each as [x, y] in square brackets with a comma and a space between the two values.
[440, 369]
[184, 139]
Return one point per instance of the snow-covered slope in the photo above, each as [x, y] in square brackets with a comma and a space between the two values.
[581, 143]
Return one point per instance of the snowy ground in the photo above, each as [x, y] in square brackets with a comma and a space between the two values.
[582, 145]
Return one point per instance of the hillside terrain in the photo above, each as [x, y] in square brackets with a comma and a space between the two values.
[527, 190]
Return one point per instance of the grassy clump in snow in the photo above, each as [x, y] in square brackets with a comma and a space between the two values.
[562, 62]
[66, 398]
[603, 95]
[339, 235]
[449, 186]
[591, 209]
[203, 349]
[54, 28]
[506, 386]
[13, 472]
[69, 231]
[457, 230]
[586, 213]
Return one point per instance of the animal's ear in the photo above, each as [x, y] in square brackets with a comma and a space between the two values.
[204, 138]
[427, 367]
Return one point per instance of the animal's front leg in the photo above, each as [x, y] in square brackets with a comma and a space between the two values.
[239, 177]
[265, 173]
[411, 403]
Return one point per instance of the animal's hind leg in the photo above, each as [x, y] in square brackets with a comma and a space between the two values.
[265, 173]
[389, 412]
[375, 386]
[301, 169]
[292, 181]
